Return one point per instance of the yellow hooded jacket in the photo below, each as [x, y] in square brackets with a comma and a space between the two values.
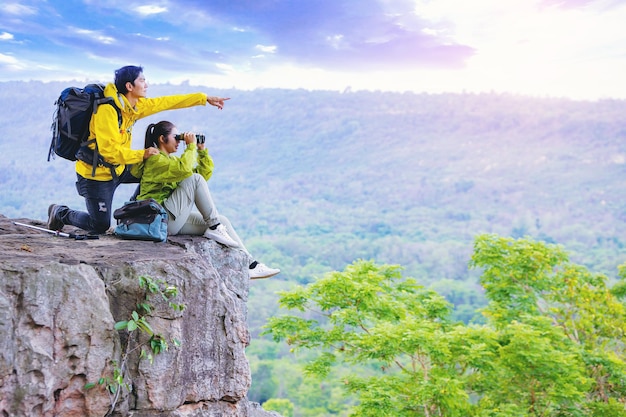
[114, 142]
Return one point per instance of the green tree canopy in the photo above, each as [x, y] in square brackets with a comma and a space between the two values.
[552, 344]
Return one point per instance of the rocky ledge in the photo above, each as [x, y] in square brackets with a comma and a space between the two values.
[60, 354]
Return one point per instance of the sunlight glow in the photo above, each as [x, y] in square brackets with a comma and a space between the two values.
[524, 46]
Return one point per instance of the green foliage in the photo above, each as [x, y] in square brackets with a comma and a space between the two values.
[281, 405]
[371, 314]
[266, 383]
[156, 342]
[569, 297]
[552, 343]
[139, 321]
[113, 383]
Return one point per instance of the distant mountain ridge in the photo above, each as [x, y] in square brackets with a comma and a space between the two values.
[314, 180]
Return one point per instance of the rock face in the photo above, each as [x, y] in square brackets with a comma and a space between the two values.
[60, 299]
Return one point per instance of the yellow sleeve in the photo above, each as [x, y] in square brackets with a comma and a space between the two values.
[149, 106]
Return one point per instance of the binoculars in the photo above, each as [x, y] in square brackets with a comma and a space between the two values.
[181, 136]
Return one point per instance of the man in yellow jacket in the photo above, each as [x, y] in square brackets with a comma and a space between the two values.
[97, 184]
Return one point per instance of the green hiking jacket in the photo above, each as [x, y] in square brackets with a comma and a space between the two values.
[160, 174]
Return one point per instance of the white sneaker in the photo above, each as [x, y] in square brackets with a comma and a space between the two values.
[220, 235]
[262, 271]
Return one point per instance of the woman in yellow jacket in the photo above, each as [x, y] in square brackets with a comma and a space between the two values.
[97, 184]
[179, 184]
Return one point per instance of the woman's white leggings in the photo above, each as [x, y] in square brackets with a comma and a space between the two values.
[194, 191]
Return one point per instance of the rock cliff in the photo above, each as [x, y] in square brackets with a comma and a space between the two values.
[60, 299]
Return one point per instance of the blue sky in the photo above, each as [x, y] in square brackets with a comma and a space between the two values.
[569, 48]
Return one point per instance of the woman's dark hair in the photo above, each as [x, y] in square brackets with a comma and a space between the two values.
[127, 74]
[153, 131]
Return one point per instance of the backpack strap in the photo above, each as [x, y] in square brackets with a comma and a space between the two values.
[92, 156]
[136, 193]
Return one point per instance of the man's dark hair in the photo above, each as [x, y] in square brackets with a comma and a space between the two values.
[127, 74]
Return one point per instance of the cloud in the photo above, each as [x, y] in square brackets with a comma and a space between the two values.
[7, 59]
[341, 34]
[148, 10]
[150, 38]
[267, 49]
[567, 4]
[95, 35]
[479, 45]
[10, 63]
[338, 34]
[18, 9]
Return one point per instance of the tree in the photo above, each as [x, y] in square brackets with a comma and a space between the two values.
[552, 343]
[372, 315]
[283, 406]
[534, 284]
[266, 384]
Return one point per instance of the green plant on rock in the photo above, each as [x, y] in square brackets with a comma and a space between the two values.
[113, 383]
[139, 321]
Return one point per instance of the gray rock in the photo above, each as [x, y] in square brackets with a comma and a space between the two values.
[60, 299]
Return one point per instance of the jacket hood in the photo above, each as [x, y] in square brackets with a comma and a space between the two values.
[120, 100]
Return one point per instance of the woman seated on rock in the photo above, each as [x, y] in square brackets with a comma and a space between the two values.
[180, 183]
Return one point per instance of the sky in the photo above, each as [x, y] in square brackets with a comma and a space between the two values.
[543, 48]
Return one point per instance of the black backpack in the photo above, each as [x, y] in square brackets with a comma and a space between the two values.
[70, 126]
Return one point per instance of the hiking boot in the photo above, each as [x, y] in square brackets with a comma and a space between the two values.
[220, 235]
[54, 217]
[262, 271]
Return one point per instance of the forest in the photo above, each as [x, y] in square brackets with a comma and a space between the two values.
[316, 180]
